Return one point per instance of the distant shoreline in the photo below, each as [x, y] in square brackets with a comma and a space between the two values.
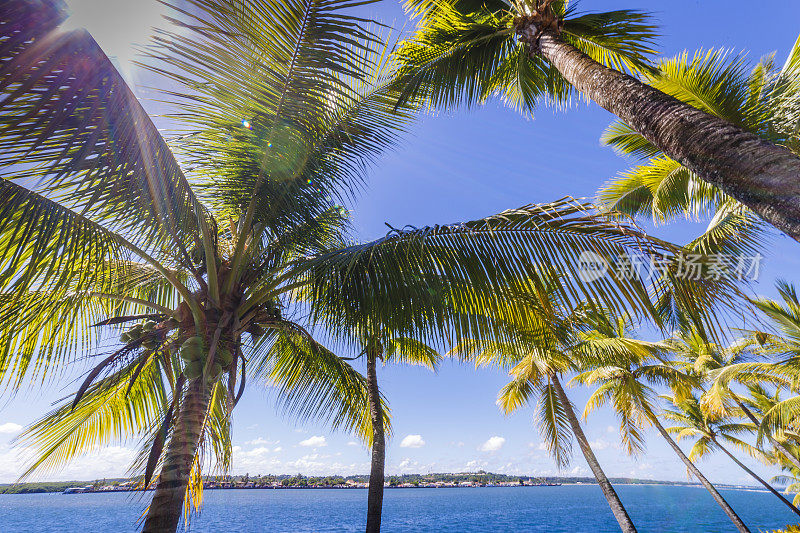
[300, 482]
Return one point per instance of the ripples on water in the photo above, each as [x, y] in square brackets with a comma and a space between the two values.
[654, 509]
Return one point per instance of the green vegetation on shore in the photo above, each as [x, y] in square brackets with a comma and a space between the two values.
[301, 481]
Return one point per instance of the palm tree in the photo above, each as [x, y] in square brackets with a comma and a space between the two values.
[661, 189]
[533, 50]
[623, 372]
[691, 421]
[714, 364]
[114, 230]
[782, 345]
[389, 349]
[544, 350]
[103, 226]
[378, 343]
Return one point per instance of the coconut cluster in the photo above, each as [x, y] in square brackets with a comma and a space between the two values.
[195, 356]
[142, 331]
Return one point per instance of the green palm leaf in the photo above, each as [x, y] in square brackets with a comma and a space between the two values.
[76, 133]
[108, 412]
[312, 382]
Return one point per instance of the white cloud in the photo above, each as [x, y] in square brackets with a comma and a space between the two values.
[353, 443]
[314, 442]
[10, 428]
[412, 441]
[256, 452]
[493, 444]
[599, 444]
[474, 465]
[261, 441]
[277, 449]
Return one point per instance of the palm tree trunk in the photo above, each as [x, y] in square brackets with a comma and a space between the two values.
[789, 455]
[625, 522]
[696, 473]
[376, 473]
[164, 512]
[759, 174]
[757, 478]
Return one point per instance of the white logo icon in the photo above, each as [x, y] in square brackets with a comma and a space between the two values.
[591, 266]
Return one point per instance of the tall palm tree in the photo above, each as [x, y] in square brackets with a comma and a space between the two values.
[782, 346]
[383, 347]
[544, 350]
[102, 225]
[624, 373]
[358, 329]
[692, 422]
[115, 230]
[531, 50]
[661, 189]
[713, 364]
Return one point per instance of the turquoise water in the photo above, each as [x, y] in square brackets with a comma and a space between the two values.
[551, 509]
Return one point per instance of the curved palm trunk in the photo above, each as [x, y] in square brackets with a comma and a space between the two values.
[757, 478]
[759, 174]
[789, 455]
[696, 473]
[376, 473]
[625, 522]
[164, 512]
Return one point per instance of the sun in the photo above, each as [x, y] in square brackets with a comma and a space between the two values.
[120, 27]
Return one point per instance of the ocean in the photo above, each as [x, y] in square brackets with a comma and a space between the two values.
[567, 508]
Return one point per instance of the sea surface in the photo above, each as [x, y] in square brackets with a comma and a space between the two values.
[567, 508]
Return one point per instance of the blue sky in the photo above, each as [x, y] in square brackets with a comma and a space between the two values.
[456, 167]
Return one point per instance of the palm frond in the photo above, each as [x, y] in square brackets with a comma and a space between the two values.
[515, 394]
[291, 99]
[622, 39]
[463, 52]
[406, 350]
[551, 418]
[455, 58]
[108, 412]
[72, 129]
[458, 272]
[313, 383]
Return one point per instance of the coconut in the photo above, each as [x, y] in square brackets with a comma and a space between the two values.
[193, 370]
[148, 325]
[224, 357]
[192, 353]
[194, 341]
[125, 338]
[151, 344]
[216, 371]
